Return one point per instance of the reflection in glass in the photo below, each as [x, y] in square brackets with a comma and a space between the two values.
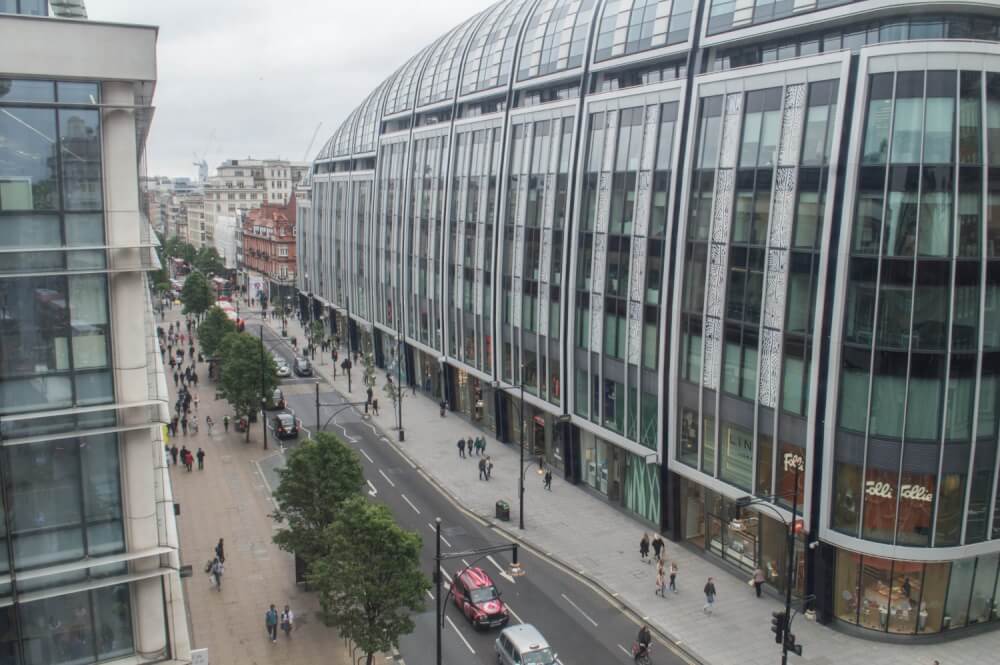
[28, 161]
[981, 604]
[956, 611]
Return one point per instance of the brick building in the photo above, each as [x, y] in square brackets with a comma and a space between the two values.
[268, 249]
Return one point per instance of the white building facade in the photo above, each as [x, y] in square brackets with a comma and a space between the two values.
[88, 541]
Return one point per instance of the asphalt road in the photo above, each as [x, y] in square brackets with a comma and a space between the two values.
[583, 626]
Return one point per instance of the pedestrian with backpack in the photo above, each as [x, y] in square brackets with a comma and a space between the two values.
[271, 622]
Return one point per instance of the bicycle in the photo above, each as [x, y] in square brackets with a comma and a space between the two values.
[643, 657]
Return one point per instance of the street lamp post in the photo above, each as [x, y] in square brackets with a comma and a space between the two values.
[481, 553]
[783, 625]
[520, 489]
[399, 383]
[343, 405]
[263, 397]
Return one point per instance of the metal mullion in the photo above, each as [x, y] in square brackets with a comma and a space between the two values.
[984, 226]
[878, 292]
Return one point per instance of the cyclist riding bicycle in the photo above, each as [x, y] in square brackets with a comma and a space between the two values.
[642, 646]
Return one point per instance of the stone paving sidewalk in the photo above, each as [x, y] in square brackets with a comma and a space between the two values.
[591, 537]
[230, 500]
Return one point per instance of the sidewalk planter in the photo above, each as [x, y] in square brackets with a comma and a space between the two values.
[503, 510]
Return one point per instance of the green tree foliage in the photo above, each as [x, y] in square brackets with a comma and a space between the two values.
[368, 375]
[369, 577]
[177, 248]
[318, 476]
[317, 332]
[208, 261]
[196, 294]
[248, 373]
[214, 327]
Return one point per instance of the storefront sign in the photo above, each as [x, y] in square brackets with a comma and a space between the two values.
[911, 492]
[794, 461]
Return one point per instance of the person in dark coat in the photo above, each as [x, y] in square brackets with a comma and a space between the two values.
[173, 452]
[461, 447]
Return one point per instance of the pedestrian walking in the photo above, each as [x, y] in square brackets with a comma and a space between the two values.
[673, 576]
[482, 446]
[375, 406]
[220, 550]
[657, 546]
[216, 572]
[709, 595]
[758, 581]
[482, 468]
[461, 447]
[196, 401]
[210, 424]
[644, 548]
[201, 459]
[184, 425]
[489, 467]
[194, 426]
[225, 423]
[287, 621]
[175, 379]
[369, 393]
[548, 479]
[271, 622]
[173, 451]
[660, 581]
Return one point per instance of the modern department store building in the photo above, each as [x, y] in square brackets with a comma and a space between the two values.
[714, 241]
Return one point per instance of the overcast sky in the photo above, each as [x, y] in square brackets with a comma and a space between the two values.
[261, 75]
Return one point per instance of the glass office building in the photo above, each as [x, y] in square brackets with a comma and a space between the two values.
[88, 544]
[727, 248]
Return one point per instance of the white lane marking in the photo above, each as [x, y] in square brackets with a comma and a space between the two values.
[362, 451]
[372, 491]
[410, 504]
[559, 661]
[391, 484]
[444, 572]
[430, 594]
[516, 615]
[577, 607]
[503, 573]
[443, 539]
[627, 652]
[374, 431]
[383, 439]
[465, 562]
[460, 635]
[346, 435]
[308, 432]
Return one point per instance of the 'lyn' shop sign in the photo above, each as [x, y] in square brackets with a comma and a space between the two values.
[911, 492]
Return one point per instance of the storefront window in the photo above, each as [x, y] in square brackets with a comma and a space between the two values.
[907, 583]
[846, 497]
[880, 503]
[846, 600]
[981, 606]
[930, 613]
[687, 439]
[956, 612]
[876, 580]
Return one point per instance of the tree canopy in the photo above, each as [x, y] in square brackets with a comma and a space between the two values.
[369, 577]
[318, 476]
[196, 294]
[215, 326]
[177, 248]
[248, 373]
[208, 261]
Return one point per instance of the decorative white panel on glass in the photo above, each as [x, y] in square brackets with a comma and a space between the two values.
[731, 131]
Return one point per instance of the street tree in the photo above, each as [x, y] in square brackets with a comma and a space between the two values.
[318, 476]
[208, 261]
[369, 578]
[317, 333]
[214, 327]
[368, 374]
[248, 374]
[196, 295]
[176, 248]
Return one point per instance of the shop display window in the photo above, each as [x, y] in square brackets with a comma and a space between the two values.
[930, 613]
[847, 598]
[907, 584]
[956, 611]
[876, 593]
[982, 606]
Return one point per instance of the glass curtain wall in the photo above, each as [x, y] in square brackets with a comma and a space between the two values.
[361, 192]
[912, 442]
[621, 245]
[423, 238]
[472, 219]
[388, 222]
[534, 222]
[750, 273]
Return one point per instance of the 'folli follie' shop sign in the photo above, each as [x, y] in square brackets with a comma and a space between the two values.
[884, 490]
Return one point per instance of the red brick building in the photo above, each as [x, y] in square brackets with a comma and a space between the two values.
[269, 246]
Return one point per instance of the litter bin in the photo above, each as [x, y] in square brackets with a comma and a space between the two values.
[503, 510]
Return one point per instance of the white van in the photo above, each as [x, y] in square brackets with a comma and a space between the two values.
[523, 645]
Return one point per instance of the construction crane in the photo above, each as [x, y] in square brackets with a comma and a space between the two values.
[305, 157]
[201, 163]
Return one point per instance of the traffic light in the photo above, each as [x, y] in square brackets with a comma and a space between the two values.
[779, 621]
[791, 645]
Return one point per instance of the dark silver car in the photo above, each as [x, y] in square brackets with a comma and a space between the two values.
[303, 367]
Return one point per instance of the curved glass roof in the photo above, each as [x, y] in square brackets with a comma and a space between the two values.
[440, 77]
[403, 89]
[367, 127]
[556, 38]
[345, 133]
[633, 26]
[491, 54]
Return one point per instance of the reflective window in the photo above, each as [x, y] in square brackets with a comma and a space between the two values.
[629, 27]
[555, 37]
[491, 53]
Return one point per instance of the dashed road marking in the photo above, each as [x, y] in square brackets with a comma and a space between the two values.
[409, 503]
[443, 539]
[578, 609]
[391, 484]
[362, 451]
[460, 635]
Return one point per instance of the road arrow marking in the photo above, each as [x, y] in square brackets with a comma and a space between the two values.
[503, 573]
[372, 491]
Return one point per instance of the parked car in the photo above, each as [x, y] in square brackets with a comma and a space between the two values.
[276, 401]
[478, 598]
[523, 645]
[303, 367]
[283, 369]
[285, 426]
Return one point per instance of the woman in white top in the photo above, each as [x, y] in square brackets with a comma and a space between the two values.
[287, 621]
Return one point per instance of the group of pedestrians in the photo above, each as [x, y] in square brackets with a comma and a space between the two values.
[477, 445]
[187, 458]
[659, 548]
[272, 620]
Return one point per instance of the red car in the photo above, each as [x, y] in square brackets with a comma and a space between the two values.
[478, 598]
